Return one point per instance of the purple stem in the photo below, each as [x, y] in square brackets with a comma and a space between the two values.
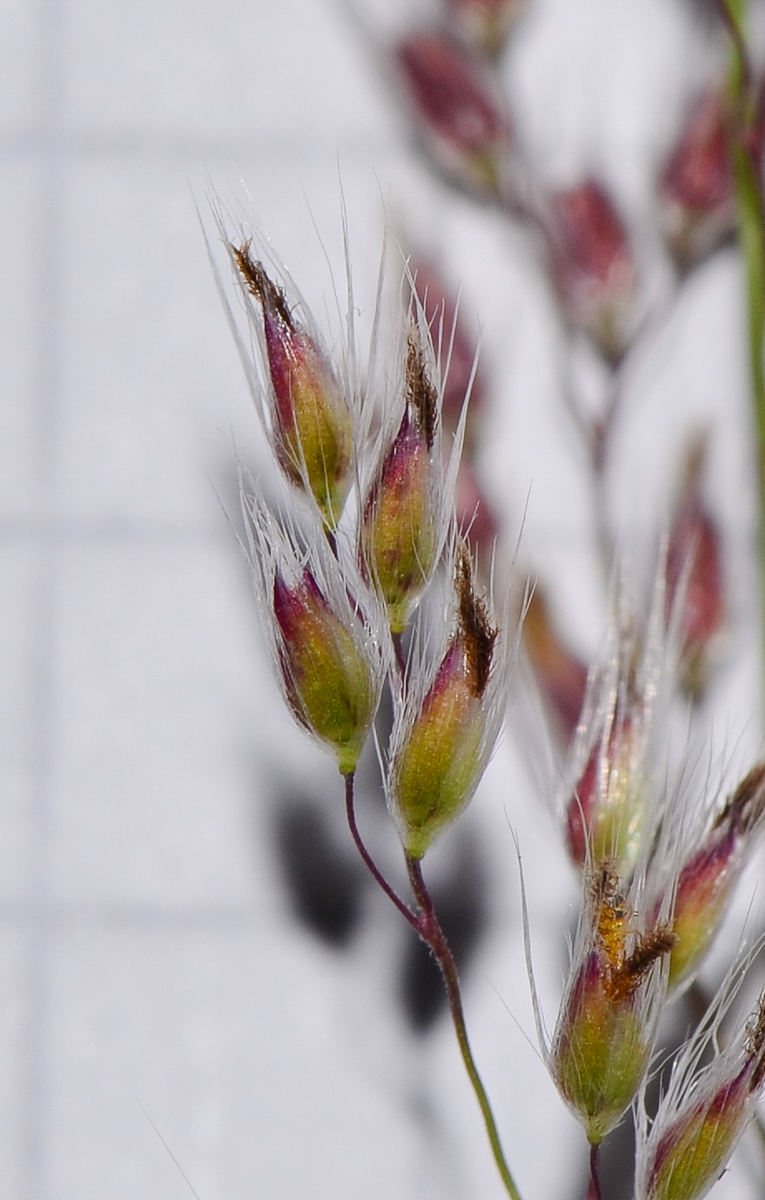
[593, 1191]
[379, 878]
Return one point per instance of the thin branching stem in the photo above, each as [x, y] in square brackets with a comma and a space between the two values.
[732, 16]
[594, 1189]
[433, 936]
[427, 926]
[350, 810]
[745, 157]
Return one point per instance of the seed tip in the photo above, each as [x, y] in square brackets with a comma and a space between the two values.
[477, 631]
[420, 391]
[257, 281]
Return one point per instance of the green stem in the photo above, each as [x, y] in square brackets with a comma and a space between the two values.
[433, 935]
[745, 158]
[752, 240]
[426, 924]
[733, 14]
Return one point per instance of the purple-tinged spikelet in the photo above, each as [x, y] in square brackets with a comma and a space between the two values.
[456, 110]
[410, 498]
[447, 724]
[605, 815]
[695, 589]
[562, 682]
[705, 1110]
[604, 1037]
[608, 797]
[306, 405]
[696, 190]
[310, 418]
[592, 267]
[456, 354]
[711, 867]
[328, 639]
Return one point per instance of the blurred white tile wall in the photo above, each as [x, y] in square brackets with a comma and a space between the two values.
[162, 1014]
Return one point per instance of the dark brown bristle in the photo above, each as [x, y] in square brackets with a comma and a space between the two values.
[605, 887]
[651, 946]
[420, 392]
[257, 282]
[477, 633]
[624, 972]
[746, 804]
[629, 974]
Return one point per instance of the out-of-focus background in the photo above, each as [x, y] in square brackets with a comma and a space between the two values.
[183, 1000]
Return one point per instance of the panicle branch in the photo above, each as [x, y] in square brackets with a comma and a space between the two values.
[346, 589]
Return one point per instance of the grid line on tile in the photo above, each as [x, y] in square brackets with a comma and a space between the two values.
[173, 149]
[44, 532]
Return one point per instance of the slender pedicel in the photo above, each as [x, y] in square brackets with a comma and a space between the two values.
[485, 24]
[426, 924]
[433, 936]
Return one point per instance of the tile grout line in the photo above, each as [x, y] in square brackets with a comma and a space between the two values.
[87, 530]
[127, 916]
[176, 148]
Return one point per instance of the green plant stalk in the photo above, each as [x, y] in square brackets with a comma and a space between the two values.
[433, 935]
[752, 241]
[425, 923]
[751, 235]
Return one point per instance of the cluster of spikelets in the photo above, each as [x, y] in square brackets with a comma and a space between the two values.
[658, 869]
[365, 531]
[365, 528]
[445, 73]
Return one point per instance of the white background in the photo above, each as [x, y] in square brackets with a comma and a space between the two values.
[151, 971]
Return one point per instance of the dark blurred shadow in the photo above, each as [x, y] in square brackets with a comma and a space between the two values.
[324, 883]
[460, 902]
